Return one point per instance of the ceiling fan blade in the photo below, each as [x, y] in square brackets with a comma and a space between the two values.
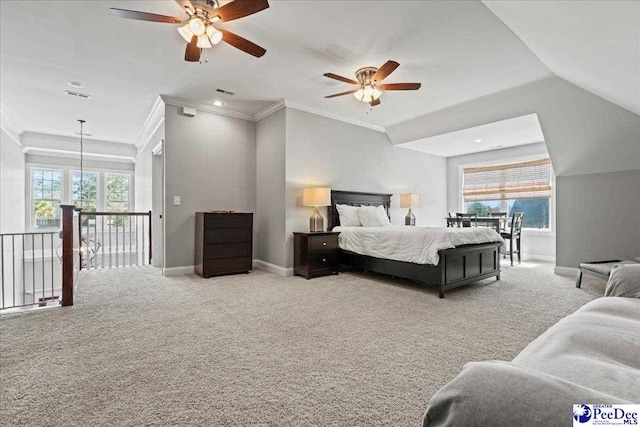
[400, 86]
[185, 4]
[375, 102]
[192, 53]
[242, 44]
[144, 16]
[388, 68]
[342, 79]
[343, 93]
[240, 8]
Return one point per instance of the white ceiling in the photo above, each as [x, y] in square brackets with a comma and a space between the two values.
[592, 44]
[505, 133]
[458, 50]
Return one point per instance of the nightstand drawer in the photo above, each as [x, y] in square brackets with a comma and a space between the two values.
[323, 243]
[321, 261]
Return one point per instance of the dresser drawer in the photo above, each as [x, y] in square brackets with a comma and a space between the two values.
[227, 265]
[238, 220]
[227, 235]
[321, 261]
[227, 250]
[323, 243]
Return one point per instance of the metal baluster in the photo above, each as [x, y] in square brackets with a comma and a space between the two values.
[33, 267]
[24, 285]
[103, 242]
[130, 242]
[52, 275]
[110, 251]
[124, 241]
[95, 242]
[137, 250]
[143, 244]
[13, 267]
[42, 261]
[117, 260]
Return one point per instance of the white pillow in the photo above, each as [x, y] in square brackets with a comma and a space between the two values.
[348, 215]
[373, 216]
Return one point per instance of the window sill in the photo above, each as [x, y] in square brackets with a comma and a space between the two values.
[538, 232]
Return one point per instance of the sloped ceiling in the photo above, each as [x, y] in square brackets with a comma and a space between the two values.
[592, 44]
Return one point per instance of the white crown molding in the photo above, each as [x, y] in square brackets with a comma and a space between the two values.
[74, 154]
[333, 116]
[151, 125]
[201, 106]
[276, 106]
[10, 126]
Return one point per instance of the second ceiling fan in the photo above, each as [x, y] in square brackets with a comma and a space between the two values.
[199, 31]
[368, 87]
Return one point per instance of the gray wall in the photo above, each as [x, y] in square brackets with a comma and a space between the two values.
[12, 185]
[210, 162]
[585, 135]
[270, 175]
[597, 215]
[327, 152]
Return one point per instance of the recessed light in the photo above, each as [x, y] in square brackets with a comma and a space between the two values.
[218, 103]
[75, 84]
[478, 140]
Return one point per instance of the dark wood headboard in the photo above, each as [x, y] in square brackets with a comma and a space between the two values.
[354, 198]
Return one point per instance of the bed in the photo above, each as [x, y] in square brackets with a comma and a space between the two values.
[458, 266]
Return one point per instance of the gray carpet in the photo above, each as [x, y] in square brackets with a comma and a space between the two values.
[263, 350]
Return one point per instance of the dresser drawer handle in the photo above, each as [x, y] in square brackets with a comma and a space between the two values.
[324, 243]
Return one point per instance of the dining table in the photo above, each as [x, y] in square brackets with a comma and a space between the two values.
[497, 223]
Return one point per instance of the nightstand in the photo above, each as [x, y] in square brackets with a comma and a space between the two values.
[315, 254]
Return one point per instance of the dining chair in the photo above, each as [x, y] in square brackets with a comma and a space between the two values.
[451, 221]
[514, 235]
[503, 219]
[466, 219]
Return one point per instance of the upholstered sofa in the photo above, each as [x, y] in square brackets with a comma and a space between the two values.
[591, 356]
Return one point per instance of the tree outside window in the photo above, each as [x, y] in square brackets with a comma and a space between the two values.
[117, 199]
[46, 196]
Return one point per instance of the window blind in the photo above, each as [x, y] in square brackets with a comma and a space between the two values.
[523, 180]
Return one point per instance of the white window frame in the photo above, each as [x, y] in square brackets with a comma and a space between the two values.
[552, 200]
[67, 187]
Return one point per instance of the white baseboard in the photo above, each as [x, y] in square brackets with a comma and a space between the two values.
[565, 271]
[272, 268]
[178, 271]
[535, 257]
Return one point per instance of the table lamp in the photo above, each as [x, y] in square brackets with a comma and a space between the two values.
[409, 200]
[316, 196]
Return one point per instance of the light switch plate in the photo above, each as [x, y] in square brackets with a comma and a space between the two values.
[176, 200]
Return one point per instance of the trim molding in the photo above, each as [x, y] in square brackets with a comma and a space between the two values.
[151, 125]
[178, 271]
[565, 271]
[181, 102]
[10, 126]
[333, 116]
[276, 106]
[272, 268]
[74, 154]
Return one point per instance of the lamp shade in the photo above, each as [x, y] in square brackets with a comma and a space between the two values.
[316, 196]
[409, 200]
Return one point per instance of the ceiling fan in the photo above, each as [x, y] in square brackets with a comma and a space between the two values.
[199, 30]
[368, 87]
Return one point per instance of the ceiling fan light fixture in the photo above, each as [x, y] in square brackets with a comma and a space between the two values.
[186, 33]
[203, 41]
[215, 18]
[376, 93]
[214, 35]
[197, 27]
[359, 94]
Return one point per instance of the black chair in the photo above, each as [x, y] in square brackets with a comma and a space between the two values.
[514, 235]
[465, 219]
[451, 221]
[503, 219]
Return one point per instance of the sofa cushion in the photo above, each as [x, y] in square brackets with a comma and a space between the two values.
[501, 394]
[597, 347]
[624, 282]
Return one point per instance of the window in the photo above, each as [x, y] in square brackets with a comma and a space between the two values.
[46, 198]
[117, 192]
[88, 200]
[515, 187]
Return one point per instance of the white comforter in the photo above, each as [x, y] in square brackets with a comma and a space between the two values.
[419, 245]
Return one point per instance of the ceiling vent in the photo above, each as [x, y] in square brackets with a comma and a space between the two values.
[226, 92]
[78, 94]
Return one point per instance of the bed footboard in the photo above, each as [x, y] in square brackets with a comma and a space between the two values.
[468, 264]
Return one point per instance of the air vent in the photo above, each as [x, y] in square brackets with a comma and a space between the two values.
[78, 94]
[226, 92]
